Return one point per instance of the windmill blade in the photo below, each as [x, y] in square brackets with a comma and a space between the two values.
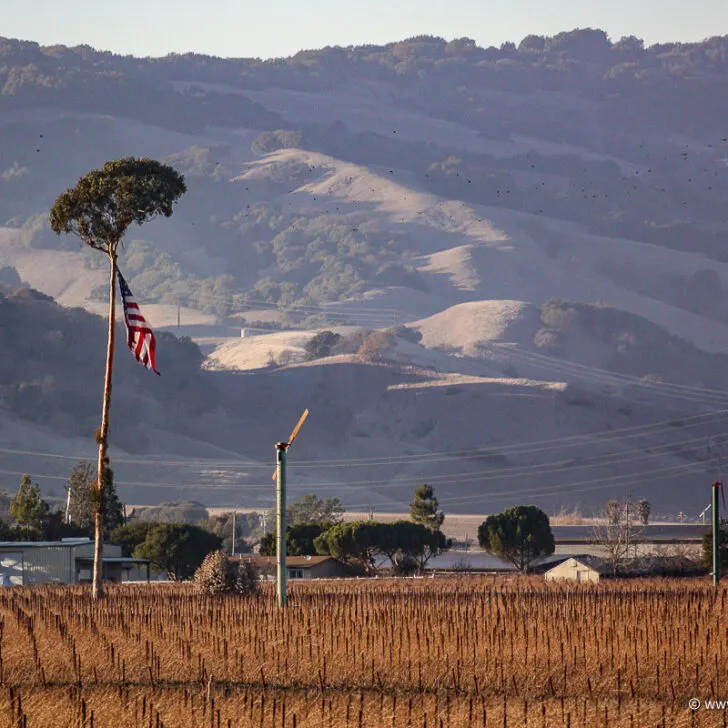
[296, 429]
[293, 436]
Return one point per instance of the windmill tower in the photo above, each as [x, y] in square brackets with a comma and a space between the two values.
[280, 477]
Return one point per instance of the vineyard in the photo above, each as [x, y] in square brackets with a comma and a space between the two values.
[365, 654]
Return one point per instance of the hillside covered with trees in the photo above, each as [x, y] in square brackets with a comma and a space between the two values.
[606, 108]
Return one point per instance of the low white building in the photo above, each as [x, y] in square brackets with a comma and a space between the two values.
[69, 561]
[573, 570]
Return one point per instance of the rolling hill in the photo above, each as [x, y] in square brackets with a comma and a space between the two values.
[542, 228]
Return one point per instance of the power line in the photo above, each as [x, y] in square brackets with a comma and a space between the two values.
[603, 436]
[333, 309]
[607, 481]
[700, 394]
[604, 484]
[480, 476]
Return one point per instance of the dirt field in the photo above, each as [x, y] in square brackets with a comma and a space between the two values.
[377, 653]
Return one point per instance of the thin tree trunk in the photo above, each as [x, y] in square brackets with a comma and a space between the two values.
[98, 588]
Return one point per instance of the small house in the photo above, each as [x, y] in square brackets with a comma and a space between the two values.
[300, 567]
[573, 570]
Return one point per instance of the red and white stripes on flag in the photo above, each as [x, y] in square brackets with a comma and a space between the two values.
[139, 334]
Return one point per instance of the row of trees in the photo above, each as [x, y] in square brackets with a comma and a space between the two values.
[27, 516]
[407, 546]
[35, 519]
[317, 528]
[616, 511]
[522, 535]
[369, 345]
[364, 545]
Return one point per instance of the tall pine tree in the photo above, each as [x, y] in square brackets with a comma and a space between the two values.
[28, 507]
[423, 509]
[84, 497]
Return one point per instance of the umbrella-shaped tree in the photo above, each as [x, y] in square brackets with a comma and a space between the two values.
[519, 535]
[100, 209]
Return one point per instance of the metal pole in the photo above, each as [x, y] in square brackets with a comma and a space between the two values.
[281, 572]
[68, 504]
[716, 534]
[233, 548]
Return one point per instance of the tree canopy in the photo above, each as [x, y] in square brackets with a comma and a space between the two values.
[423, 509]
[178, 549]
[355, 542]
[222, 525]
[132, 535]
[643, 511]
[106, 201]
[321, 344]
[300, 538]
[518, 535]
[28, 507]
[313, 510]
[408, 545]
[84, 497]
[404, 544]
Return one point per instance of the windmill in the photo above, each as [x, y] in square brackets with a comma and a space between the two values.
[701, 515]
[280, 477]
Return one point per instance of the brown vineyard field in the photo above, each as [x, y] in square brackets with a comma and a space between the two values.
[373, 653]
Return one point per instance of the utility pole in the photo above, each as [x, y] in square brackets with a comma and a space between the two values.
[281, 573]
[233, 548]
[716, 533]
[178, 316]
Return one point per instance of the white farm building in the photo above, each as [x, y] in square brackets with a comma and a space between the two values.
[573, 570]
[64, 562]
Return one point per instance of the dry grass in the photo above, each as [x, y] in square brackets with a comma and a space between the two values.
[467, 652]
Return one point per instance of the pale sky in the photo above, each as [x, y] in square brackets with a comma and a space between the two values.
[267, 28]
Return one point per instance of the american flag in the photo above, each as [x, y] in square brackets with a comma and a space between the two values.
[139, 334]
